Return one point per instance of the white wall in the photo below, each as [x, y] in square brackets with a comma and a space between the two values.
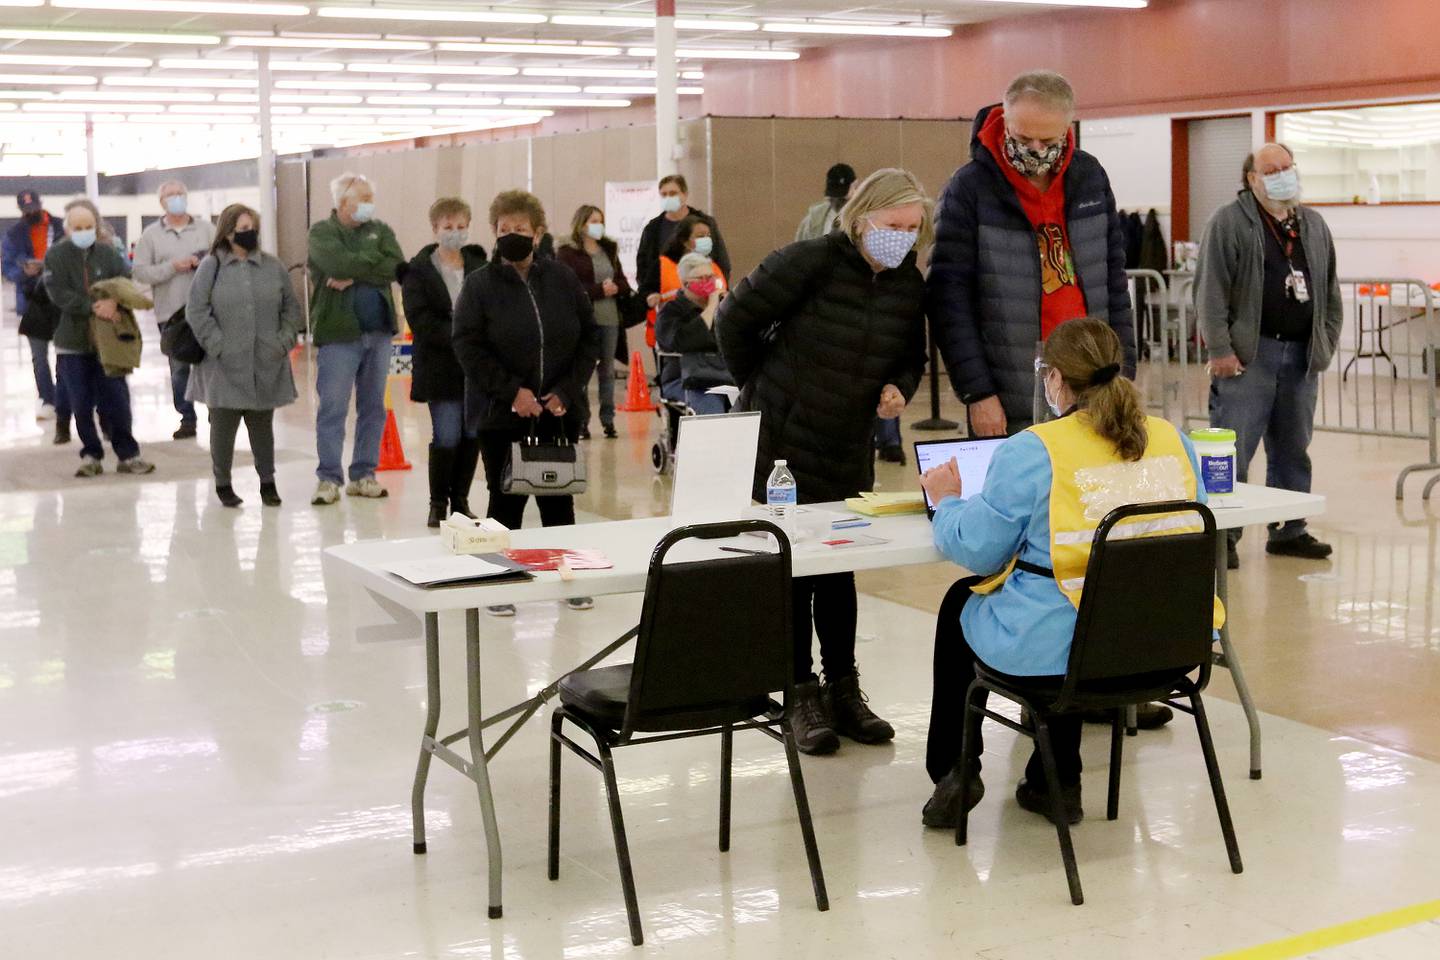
[1135, 152]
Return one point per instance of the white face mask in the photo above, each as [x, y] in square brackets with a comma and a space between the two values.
[454, 239]
[670, 204]
[84, 239]
[1054, 402]
[364, 212]
[1282, 186]
[704, 246]
[595, 230]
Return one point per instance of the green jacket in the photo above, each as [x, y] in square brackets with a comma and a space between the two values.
[69, 271]
[369, 254]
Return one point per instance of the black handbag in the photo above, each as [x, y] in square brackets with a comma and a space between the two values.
[177, 339]
[633, 310]
[41, 315]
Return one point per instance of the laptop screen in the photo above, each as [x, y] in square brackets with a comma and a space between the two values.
[971, 455]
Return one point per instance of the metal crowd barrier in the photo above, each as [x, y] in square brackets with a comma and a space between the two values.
[1162, 352]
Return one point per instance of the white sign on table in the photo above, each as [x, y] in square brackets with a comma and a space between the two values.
[714, 467]
[629, 205]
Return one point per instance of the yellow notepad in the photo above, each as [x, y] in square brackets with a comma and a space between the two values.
[874, 504]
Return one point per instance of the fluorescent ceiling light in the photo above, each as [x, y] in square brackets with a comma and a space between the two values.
[717, 53]
[445, 16]
[451, 69]
[405, 101]
[396, 85]
[189, 7]
[492, 112]
[219, 83]
[371, 111]
[327, 43]
[139, 96]
[644, 91]
[506, 88]
[857, 30]
[605, 73]
[539, 49]
[109, 36]
[71, 107]
[1126, 4]
[648, 23]
[562, 102]
[30, 60]
[291, 98]
[43, 79]
[26, 95]
[226, 108]
[221, 63]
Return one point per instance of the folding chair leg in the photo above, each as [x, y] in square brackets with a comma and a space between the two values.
[1217, 787]
[1117, 749]
[969, 744]
[727, 737]
[622, 846]
[556, 720]
[1132, 721]
[1057, 810]
[802, 808]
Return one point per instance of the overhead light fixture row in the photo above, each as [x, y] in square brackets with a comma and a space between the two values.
[717, 53]
[640, 91]
[47, 79]
[222, 63]
[326, 43]
[444, 16]
[538, 49]
[31, 60]
[449, 69]
[648, 23]
[822, 28]
[605, 73]
[395, 85]
[216, 83]
[108, 36]
[506, 88]
[193, 7]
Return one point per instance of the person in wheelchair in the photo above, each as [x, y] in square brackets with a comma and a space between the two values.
[1030, 528]
[686, 326]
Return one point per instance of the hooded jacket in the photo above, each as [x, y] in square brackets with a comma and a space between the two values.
[985, 293]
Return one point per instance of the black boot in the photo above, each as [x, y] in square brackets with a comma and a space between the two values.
[943, 807]
[227, 496]
[852, 718]
[811, 721]
[442, 464]
[462, 475]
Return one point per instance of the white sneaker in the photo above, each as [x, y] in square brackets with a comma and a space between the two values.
[136, 466]
[90, 467]
[369, 487]
[46, 412]
[325, 493]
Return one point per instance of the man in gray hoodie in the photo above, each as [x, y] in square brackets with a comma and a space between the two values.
[1269, 308]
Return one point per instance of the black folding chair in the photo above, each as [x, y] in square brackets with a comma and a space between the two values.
[714, 643]
[1145, 624]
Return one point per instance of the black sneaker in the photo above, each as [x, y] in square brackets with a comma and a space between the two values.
[227, 496]
[1304, 546]
[1037, 800]
[893, 454]
[849, 714]
[610, 433]
[1232, 556]
[943, 808]
[814, 732]
[584, 433]
[186, 432]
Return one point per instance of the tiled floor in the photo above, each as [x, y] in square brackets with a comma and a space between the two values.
[201, 755]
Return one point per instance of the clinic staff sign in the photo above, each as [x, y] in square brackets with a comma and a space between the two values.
[629, 205]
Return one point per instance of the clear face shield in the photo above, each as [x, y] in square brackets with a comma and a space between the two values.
[1040, 411]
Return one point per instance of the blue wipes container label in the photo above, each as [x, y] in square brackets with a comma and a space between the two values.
[1219, 474]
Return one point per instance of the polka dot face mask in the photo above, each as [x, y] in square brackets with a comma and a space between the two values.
[889, 248]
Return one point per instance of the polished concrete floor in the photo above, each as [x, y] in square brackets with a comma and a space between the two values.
[206, 748]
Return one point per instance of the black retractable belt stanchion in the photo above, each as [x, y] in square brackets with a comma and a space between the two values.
[935, 421]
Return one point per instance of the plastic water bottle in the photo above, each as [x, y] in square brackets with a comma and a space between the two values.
[782, 497]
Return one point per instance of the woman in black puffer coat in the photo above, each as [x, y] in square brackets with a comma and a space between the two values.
[825, 337]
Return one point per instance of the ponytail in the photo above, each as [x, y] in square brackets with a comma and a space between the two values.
[1118, 415]
[1088, 355]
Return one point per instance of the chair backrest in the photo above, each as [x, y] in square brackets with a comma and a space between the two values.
[715, 634]
[1148, 602]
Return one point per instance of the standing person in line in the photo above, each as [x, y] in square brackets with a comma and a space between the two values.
[353, 259]
[1269, 306]
[1026, 189]
[687, 326]
[526, 338]
[824, 337]
[675, 208]
[22, 261]
[165, 258]
[71, 266]
[431, 287]
[245, 314]
[595, 258]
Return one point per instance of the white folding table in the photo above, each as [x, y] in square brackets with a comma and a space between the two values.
[629, 544]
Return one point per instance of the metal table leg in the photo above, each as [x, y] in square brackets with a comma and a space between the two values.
[432, 724]
[1226, 657]
[479, 765]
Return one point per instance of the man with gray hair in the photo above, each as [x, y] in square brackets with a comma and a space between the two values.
[1027, 237]
[1269, 308]
[353, 258]
[165, 258]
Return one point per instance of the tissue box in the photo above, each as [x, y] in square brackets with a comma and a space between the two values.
[461, 535]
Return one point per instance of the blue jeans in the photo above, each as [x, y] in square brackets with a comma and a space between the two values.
[706, 403]
[90, 391]
[887, 433]
[179, 379]
[358, 366]
[40, 361]
[1274, 401]
[447, 423]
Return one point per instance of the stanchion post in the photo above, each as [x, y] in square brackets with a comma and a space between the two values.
[935, 421]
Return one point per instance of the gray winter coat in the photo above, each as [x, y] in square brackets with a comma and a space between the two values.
[1230, 282]
[247, 319]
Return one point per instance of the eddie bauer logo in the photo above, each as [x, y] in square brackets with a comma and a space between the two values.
[1088, 204]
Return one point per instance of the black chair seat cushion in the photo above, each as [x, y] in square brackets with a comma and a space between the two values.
[600, 695]
[1095, 694]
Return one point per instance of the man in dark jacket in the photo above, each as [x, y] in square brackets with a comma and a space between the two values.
[675, 198]
[1028, 237]
[22, 261]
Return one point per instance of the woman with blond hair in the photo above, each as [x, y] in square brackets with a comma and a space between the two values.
[824, 338]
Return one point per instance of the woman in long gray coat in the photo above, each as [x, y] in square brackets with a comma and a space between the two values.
[244, 313]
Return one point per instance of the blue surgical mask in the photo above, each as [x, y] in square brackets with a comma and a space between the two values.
[670, 204]
[595, 230]
[175, 205]
[84, 239]
[364, 212]
[703, 246]
[1282, 186]
[889, 248]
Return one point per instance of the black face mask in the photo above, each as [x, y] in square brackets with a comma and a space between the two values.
[34, 216]
[515, 247]
[247, 240]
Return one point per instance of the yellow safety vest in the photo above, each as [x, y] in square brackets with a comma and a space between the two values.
[1090, 480]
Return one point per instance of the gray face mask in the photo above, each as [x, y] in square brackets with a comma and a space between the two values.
[454, 239]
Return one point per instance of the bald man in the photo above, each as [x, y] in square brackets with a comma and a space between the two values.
[1270, 311]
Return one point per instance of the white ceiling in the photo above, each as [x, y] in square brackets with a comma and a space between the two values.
[182, 119]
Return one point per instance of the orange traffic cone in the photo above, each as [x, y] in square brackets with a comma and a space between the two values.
[392, 454]
[637, 396]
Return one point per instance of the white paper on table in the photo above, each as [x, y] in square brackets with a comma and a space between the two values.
[729, 392]
[449, 569]
[714, 467]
